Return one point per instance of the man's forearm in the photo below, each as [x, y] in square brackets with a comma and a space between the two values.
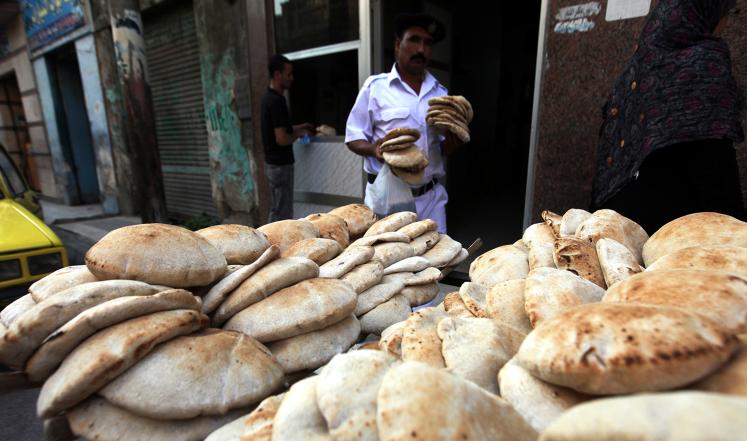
[363, 148]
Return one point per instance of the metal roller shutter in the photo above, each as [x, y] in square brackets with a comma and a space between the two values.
[174, 71]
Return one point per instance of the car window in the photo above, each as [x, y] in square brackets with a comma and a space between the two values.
[11, 174]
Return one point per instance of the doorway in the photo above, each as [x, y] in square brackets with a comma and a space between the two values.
[490, 59]
[14, 134]
[73, 124]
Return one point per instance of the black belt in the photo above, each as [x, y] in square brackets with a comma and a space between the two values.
[418, 191]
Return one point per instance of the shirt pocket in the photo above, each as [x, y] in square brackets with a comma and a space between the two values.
[393, 113]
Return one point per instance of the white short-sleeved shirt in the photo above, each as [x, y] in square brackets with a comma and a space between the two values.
[386, 102]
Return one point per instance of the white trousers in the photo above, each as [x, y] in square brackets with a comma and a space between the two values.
[431, 205]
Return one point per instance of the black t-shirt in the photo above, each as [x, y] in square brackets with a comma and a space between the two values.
[275, 115]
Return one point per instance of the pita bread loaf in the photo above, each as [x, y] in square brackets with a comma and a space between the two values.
[96, 419]
[722, 297]
[60, 280]
[350, 258]
[241, 245]
[494, 256]
[541, 256]
[299, 417]
[424, 242]
[391, 236]
[257, 426]
[65, 339]
[319, 250]
[461, 257]
[376, 295]
[616, 261]
[474, 296]
[503, 263]
[410, 158]
[537, 401]
[285, 233]
[612, 225]
[459, 130]
[476, 348]
[358, 217]
[619, 348]
[397, 277]
[224, 370]
[304, 307]
[159, 254]
[414, 398]
[389, 253]
[520, 244]
[391, 338]
[411, 264]
[419, 295]
[417, 229]
[505, 302]
[446, 115]
[708, 258]
[443, 252]
[364, 276]
[537, 234]
[393, 222]
[315, 348]
[731, 379]
[420, 340]
[549, 291]
[104, 356]
[16, 309]
[402, 131]
[699, 229]
[400, 143]
[425, 277]
[455, 307]
[448, 101]
[552, 220]
[276, 275]
[388, 313]
[691, 416]
[579, 257]
[218, 292]
[346, 393]
[30, 329]
[412, 177]
[331, 227]
[571, 220]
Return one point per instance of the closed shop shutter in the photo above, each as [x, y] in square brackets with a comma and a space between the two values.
[174, 73]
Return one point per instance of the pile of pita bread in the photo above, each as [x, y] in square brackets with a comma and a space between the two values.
[405, 159]
[452, 113]
[585, 329]
[229, 310]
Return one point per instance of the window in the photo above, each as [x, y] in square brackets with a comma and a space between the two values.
[305, 24]
[330, 56]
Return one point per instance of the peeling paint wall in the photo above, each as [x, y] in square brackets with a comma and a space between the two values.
[224, 68]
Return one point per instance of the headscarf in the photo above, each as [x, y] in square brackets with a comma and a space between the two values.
[678, 87]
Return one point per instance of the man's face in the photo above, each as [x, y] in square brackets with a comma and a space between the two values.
[414, 50]
[286, 76]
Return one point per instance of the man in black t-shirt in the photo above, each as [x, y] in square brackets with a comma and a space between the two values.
[278, 135]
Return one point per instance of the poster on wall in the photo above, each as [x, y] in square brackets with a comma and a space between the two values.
[47, 20]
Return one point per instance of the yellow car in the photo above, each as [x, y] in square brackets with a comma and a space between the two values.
[29, 249]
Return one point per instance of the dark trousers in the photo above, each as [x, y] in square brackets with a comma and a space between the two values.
[682, 179]
[281, 187]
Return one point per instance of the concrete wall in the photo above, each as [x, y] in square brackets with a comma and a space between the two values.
[18, 63]
[225, 81]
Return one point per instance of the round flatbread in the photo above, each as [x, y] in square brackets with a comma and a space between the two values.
[60, 280]
[410, 158]
[241, 245]
[158, 254]
[402, 131]
[318, 250]
[285, 233]
[358, 217]
[331, 227]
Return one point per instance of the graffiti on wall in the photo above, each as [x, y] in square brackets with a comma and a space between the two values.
[47, 20]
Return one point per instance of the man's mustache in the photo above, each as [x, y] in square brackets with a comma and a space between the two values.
[420, 57]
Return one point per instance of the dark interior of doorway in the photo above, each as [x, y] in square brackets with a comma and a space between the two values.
[73, 124]
[492, 63]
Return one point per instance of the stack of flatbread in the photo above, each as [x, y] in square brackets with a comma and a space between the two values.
[99, 337]
[452, 113]
[403, 156]
[372, 395]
